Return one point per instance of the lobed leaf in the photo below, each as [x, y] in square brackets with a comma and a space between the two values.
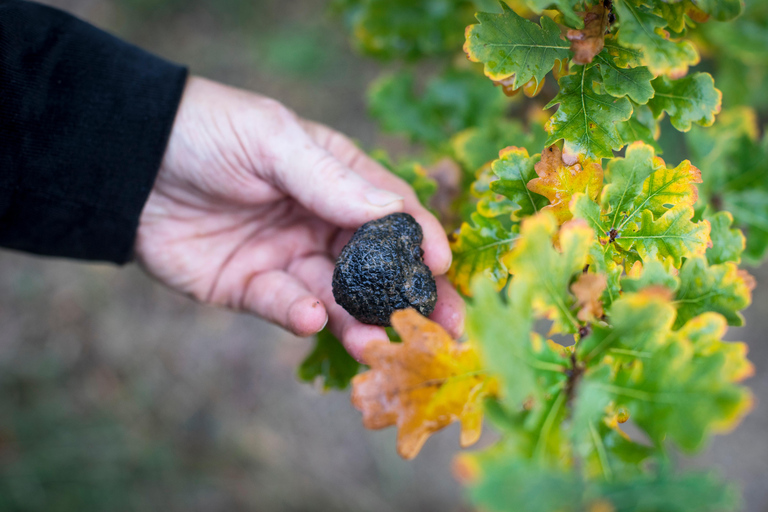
[501, 482]
[522, 362]
[649, 206]
[672, 236]
[330, 362]
[586, 119]
[515, 169]
[559, 181]
[727, 243]
[640, 28]
[508, 44]
[693, 99]
[634, 82]
[721, 10]
[720, 288]
[422, 384]
[481, 249]
[546, 273]
[678, 385]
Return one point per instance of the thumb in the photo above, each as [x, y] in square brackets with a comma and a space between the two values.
[331, 190]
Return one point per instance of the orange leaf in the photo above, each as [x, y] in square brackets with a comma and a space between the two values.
[559, 180]
[421, 385]
[589, 41]
[588, 289]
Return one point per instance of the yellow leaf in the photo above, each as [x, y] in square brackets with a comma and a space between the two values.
[559, 180]
[421, 385]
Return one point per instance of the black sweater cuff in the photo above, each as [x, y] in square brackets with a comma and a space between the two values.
[84, 121]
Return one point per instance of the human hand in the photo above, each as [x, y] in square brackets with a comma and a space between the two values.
[253, 204]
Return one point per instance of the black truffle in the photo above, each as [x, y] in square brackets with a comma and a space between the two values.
[382, 269]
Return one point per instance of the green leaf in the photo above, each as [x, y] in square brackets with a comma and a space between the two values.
[670, 493]
[721, 10]
[673, 13]
[639, 324]
[639, 199]
[675, 394]
[672, 236]
[693, 99]
[545, 272]
[634, 82]
[706, 333]
[329, 362]
[727, 243]
[626, 178]
[490, 203]
[502, 333]
[653, 274]
[507, 483]
[605, 451]
[720, 288]
[584, 207]
[587, 119]
[638, 29]
[515, 169]
[510, 45]
[480, 249]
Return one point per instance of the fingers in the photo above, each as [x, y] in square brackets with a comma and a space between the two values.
[316, 273]
[331, 190]
[284, 300]
[450, 309]
[437, 251]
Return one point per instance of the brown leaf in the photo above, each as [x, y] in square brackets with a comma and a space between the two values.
[589, 41]
[421, 385]
[562, 176]
[588, 289]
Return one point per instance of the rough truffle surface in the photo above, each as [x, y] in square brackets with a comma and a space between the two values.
[382, 269]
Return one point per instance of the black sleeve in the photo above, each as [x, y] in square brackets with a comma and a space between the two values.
[84, 121]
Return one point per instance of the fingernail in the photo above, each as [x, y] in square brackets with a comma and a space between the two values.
[324, 324]
[379, 197]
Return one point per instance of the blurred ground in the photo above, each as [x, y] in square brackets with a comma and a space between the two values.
[117, 395]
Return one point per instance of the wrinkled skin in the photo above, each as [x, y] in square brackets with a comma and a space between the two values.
[382, 270]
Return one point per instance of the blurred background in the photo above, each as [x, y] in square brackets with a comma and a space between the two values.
[116, 394]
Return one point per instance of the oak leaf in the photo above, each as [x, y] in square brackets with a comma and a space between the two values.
[480, 249]
[587, 118]
[511, 46]
[421, 385]
[559, 180]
